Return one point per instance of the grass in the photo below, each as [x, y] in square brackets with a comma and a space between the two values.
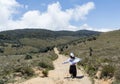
[9, 50]
[30, 50]
[33, 45]
[11, 64]
[34, 42]
[106, 51]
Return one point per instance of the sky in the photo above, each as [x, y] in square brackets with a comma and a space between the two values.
[72, 15]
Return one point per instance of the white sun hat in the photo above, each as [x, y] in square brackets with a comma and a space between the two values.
[72, 55]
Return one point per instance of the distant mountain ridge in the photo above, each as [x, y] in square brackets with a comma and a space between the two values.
[43, 34]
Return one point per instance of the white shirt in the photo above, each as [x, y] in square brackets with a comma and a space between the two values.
[72, 61]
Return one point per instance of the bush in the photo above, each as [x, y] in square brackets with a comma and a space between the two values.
[27, 71]
[1, 50]
[28, 56]
[117, 74]
[2, 82]
[108, 71]
[90, 70]
[61, 48]
[46, 63]
[43, 50]
[52, 56]
[45, 73]
[43, 65]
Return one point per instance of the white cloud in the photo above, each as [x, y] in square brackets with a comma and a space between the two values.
[7, 9]
[105, 29]
[86, 27]
[79, 12]
[54, 18]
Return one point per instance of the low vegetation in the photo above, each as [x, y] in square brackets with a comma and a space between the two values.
[22, 50]
[105, 53]
[22, 65]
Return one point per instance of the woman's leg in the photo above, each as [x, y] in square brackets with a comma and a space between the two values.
[73, 70]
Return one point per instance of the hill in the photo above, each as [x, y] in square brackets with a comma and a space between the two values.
[102, 54]
[37, 40]
[22, 51]
[42, 34]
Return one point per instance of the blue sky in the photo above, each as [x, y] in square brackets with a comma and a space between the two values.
[98, 15]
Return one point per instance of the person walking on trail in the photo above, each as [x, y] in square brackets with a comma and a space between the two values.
[72, 60]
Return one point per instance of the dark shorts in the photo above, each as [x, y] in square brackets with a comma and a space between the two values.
[73, 70]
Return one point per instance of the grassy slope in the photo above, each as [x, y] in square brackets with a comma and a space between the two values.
[37, 39]
[12, 60]
[13, 64]
[106, 51]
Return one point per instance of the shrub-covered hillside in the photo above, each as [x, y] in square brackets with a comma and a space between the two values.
[103, 54]
[42, 34]
[23, 66]
[37, 40]
[22, 51]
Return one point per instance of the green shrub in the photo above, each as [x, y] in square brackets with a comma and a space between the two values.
[43, 65]
[27, 71]
[61, 48]
[28, 56]
[43, 50]
[45, 73]
[1, 50]
[108, 71]
[90, 70]
[2, 82]
[46, 63]
[52, 56]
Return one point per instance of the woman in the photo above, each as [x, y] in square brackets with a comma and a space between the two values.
[72, 60]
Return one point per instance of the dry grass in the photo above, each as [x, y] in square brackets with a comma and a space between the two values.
[106, 51]
[11, 64]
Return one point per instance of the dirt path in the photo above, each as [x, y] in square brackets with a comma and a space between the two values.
[60, 74]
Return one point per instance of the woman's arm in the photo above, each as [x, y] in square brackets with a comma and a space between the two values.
[68, 60]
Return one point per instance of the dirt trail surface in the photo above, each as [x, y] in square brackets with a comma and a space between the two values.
[60, 75]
